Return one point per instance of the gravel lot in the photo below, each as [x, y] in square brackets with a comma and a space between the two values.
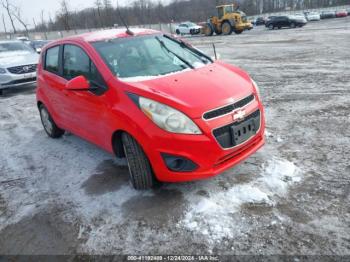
[292, 197]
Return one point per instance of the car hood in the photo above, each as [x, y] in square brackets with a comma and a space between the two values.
[18, 58]
[197, 91]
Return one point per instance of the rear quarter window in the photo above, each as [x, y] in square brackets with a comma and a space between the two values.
[51, 59]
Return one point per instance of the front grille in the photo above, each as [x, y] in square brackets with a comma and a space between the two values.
[22, 69]
[229, 108]
[238, 132]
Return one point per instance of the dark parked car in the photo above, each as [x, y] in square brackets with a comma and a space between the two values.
[327, 14]
[285, 21]
[37, 45]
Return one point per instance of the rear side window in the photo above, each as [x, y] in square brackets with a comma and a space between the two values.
[51, 60]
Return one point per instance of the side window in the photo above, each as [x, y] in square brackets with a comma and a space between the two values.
[76, 63]
[51, 59]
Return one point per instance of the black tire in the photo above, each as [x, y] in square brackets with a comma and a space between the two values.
[140, 170]
[177, 31]
[52, 131]
[279, 27]
[208, 30]
[292, 25]
[1, 92]
[271, 27]
[217, 32]
[226, 28]
[238, 32]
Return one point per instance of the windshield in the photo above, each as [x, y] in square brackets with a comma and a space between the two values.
[147, 56]
[14, 47]
[191, 24]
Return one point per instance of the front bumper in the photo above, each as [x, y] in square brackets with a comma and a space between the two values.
[204, 150]
[9, 80]
[195, 31]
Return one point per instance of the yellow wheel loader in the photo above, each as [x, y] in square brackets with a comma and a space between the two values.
[229, 20]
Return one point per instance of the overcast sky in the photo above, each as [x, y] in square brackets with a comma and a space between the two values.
[32, 8]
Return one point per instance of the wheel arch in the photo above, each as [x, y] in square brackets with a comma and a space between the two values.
[230, 21]
[39, 103]
[117, 144]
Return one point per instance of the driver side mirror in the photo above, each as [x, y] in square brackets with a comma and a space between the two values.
[79, 83]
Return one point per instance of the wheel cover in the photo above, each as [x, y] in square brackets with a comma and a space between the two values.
[45, 118]
[226, 29]
[207, 30]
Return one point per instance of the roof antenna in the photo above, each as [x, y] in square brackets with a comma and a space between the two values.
[128, 31]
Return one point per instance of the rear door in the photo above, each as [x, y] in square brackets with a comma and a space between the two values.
[54, 85]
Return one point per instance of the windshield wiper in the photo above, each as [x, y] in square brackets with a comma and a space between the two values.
[185, 45]
[171, 52]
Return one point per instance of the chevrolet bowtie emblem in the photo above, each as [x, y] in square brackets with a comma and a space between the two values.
[239, 115]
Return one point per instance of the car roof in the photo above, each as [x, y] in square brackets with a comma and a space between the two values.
[110, 34]
[10, 41]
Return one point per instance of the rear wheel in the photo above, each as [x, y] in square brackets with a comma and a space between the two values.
[208, 30]
[271, 27]
[177, 31]
[140, 171]
[238, 32]
[226, 28]
[50, 127]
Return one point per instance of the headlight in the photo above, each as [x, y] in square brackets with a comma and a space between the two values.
[167, 117]
[2, 71]
[256, 88]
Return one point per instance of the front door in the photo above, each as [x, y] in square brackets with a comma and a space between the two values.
[87, 110]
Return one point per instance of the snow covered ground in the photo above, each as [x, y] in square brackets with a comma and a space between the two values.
[292, 197]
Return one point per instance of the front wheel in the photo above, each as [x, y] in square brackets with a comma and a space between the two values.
[226, 28]
[292, 25]
[238, 32]
[271, 27]
[177, 31]
[50, 127]
[1, 92]
[140, 170]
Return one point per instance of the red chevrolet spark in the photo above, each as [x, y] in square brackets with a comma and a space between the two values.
[173, 112]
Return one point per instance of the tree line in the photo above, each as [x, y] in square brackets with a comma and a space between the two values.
[142, 12]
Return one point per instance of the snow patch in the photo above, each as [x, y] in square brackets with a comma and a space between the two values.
[145, 78]
[214, 216]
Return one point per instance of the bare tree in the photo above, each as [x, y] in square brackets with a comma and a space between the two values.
[34, 23]
[3, 21]
[7, 5]
[98, 6]
[43, 24]
[65, 15]
[18, 15]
